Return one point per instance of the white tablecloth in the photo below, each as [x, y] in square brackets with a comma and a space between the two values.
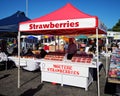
[3, 57]
[67, 72]
[26, 63]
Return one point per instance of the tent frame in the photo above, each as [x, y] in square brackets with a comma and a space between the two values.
[96, 27]
[98, 82]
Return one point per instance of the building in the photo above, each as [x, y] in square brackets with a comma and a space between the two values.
[113, 34]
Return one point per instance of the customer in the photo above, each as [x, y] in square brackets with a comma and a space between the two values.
[29, 53]
[46, 48]
[72, 48]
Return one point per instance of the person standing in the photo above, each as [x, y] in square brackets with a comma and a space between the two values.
[72, 48]
[65, 47]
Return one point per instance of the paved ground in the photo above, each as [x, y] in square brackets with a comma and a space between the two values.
[31, 86]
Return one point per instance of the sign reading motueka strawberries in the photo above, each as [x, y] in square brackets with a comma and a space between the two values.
[64, 69]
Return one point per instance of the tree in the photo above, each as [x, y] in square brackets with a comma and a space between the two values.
[109, 29]
[116, 27]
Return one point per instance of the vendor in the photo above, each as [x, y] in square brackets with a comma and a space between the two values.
[43, 53]
[72, 48]
[115, 48]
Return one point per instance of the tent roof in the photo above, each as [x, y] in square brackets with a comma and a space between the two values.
[11, 23]
[66, 12]
[64, 19]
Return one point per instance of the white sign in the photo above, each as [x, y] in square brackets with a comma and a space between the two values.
[61, 24]
[62, 68]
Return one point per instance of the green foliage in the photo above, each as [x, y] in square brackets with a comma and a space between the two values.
[116, 27]
[109, 29]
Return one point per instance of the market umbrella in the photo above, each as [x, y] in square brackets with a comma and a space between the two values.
[47, 36]
[31, 39]
[81, 37]
[66, 39]
[99, 36]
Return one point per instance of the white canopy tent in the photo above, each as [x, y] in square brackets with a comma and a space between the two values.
[67, 20]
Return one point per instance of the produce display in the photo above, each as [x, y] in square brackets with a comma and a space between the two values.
[25, 57]
[55, 56]
[83, 58]
[114, 67]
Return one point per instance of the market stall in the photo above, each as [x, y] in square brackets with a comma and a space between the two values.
[114, 68]
[71, 22]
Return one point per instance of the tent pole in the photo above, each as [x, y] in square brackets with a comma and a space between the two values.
[106, 55]
[55, 44]
[26, 7]
[19, 59]
[58, 42]
[97, 53]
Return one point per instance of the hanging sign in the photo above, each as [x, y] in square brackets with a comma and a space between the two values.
[61, 24]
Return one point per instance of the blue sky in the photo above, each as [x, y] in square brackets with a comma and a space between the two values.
[106, 10]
